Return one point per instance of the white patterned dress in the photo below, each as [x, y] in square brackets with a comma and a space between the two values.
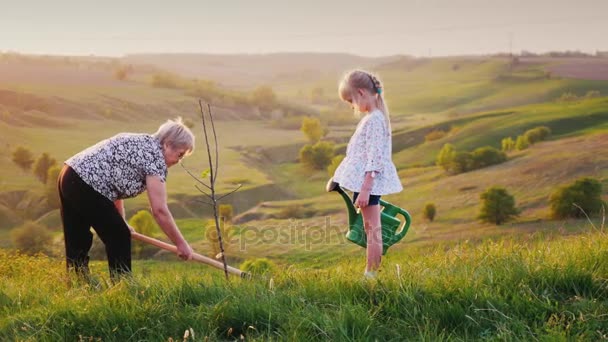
[369, 149]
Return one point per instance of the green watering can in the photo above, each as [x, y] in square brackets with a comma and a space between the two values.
[393, 229]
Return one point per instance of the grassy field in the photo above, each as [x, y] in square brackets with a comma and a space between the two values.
[546, 288]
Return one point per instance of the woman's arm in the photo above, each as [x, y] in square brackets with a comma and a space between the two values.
[157, 196]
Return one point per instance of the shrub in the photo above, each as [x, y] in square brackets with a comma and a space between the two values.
[537, 134]
[317, 156]
[312, 128]
[522, 143]
[462, 162]
[507, 144]
[429, 211]
[42, 166]
[445, 156]
[585, 193]
[497, 206]
[258, 266]
[486, 156]
[23, 158]
[591, 94]
[31, 238]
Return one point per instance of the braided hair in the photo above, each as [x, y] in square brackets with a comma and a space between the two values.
[361, 79]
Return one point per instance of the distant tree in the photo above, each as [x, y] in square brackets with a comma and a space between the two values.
[313, 129]
[486, 156]
[462, 162]
[31, 238]
[445, 156]
[429, 211]
[50, 190]
[585, 193]
[335, 162]
[537, 134]
[317, 156]
[42, 166]
[23, 158]
[522, 143]
[497, 206]
[508, 144]
[264, 97]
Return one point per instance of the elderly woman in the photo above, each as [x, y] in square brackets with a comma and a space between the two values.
[94, 182]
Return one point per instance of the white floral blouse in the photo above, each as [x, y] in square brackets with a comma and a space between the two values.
[117, 167]
[369, 149]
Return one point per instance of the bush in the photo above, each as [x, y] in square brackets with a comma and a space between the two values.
[258, 266]
[486, 156]
[42, 166]
[317, 156]
[522, 143]
[497, 206]
[312, 128]
[591, 94]
[537, 134]
[445, 156]
[23, 158]
[462, 162]
[585, 193]
[335, 162]
[568, 97]
[507, 144]
[31, 238]
[429, 211]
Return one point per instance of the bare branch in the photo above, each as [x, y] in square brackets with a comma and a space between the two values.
[201, 201]
[203, 191]
[193, 176]
[217, 161]
[231, 192]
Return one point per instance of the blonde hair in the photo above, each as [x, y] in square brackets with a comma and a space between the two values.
[176, 134]
[361, 79]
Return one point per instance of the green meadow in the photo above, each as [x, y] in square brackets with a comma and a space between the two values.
[453, 278]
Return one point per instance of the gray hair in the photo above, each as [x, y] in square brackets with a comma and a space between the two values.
[176, 134]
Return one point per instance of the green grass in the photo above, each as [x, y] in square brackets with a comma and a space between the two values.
[546, 288]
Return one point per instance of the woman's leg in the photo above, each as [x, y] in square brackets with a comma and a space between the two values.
[373, 230]
[76, 227]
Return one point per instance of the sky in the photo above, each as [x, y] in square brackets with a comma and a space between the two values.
[366, 28]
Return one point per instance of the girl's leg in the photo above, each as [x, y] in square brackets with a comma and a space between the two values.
[373, 230]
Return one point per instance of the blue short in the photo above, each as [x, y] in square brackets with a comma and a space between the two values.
[373, 199]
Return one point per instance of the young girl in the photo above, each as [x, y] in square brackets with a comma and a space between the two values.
[367, 169]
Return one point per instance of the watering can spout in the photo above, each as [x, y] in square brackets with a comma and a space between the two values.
[352, 211]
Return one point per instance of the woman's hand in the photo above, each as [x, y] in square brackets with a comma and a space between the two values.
[184, 251]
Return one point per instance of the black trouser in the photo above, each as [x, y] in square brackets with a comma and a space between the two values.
[82, 208]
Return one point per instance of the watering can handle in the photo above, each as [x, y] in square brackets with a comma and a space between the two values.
[406, 225]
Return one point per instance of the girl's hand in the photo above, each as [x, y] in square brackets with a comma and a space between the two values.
[184, 251]
[362, 200]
